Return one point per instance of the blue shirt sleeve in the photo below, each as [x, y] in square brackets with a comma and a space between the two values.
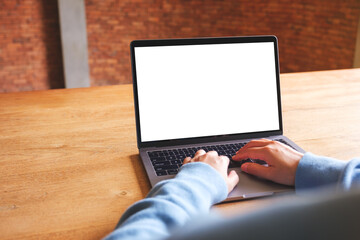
[171, 203]
[316, 171]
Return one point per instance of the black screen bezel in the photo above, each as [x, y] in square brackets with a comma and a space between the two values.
[201, 41]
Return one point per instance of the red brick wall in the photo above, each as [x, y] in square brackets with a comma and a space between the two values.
[30, 47]
[313, 34]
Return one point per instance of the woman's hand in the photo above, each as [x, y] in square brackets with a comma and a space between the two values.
[282, 160]
[219, 163]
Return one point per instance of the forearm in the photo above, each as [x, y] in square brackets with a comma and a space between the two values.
[171, 203]
[316, 171]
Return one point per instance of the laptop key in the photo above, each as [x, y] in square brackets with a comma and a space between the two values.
[161, 173]
[171, 157]
[157, 158]
[172, 171]
[153, 154]
[160, 164]
[162, 168]
[155, 162]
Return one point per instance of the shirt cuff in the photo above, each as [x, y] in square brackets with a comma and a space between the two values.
[315, 171]
[198, 183]
[208, 177]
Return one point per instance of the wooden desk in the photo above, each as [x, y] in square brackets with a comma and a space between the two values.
[69, 161]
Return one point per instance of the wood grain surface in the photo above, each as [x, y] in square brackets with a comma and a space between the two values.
[69, 161]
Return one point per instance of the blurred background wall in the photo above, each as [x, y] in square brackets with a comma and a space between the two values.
[313, 34]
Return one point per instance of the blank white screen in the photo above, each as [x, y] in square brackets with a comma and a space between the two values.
[205, 90]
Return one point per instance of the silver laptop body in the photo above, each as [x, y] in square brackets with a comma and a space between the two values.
[205, 92]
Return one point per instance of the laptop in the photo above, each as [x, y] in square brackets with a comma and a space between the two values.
[206, 93]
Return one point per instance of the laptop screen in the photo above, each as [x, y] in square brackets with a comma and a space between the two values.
[189, 91]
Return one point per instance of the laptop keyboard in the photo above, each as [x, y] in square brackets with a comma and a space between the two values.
[168, 162]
